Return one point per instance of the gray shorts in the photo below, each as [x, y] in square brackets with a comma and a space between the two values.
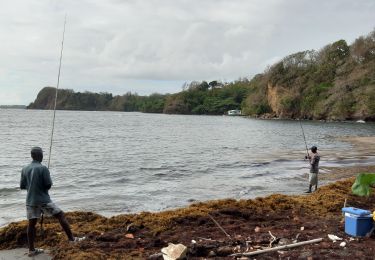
[313, 178]
[49, 209]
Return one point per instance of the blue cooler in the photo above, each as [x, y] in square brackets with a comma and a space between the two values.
[358, 222]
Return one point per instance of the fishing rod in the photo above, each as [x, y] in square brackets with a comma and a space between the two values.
[304, 138]
[57, 87]
[54, 117]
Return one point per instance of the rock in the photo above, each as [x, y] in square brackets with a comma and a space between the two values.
[334, 238]
[129, 235]
[343, 244]
[211, 254]
[174, 252]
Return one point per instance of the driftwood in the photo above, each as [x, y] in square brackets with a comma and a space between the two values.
[317, 240]
[208, 239]
[272, 240]
[222, 229]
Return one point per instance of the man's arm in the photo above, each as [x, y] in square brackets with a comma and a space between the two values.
[23, 181]
[47, 179]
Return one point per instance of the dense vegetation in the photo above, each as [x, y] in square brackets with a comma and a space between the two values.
[69, 100]
[336, 82]
[198, 98]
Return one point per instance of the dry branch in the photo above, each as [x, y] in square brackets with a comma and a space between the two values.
[317, 240]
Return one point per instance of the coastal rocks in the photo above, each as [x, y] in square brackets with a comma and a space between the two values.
[174, 252]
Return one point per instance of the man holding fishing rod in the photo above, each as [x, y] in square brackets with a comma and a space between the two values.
[36, 179]
[314, 159]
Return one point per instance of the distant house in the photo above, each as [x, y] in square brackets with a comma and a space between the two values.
[234, 112]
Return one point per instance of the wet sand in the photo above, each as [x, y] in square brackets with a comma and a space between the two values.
[21, 254]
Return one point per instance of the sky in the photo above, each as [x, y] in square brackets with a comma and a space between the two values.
[154, 46]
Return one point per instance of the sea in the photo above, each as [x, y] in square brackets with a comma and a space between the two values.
[126, 162]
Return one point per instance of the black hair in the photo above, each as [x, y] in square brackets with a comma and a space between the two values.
[37, 154]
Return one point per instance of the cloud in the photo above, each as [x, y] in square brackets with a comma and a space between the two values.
[147, 46]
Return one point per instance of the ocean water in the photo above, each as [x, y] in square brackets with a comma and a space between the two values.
[117, 162]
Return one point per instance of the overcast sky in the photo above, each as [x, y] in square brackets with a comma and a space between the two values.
[148, 46]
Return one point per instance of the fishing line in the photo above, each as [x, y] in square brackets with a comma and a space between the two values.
[304, 138]
[57, 87]
[54, 117]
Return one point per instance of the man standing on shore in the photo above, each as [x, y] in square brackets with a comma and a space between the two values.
[36, 179]
[314, 159]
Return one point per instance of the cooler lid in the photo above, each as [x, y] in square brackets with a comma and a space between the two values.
[355, 211]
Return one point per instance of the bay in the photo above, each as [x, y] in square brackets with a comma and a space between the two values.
[117, 162]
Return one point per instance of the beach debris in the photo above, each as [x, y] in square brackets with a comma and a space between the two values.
[343, 244]
[334, 238]
[129, 235]
[257, 229]
[224, 250]
[207, 239]
[302, 228]
[296, 239]
[174, 251]
[222, 229]
[284, 241]
[273, 239]
[131, 228]
[317, 240]
[248, 247]
[156, 256]
[372, 231]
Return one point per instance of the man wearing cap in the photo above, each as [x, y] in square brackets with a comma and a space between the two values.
[36, 179]
[314, 159]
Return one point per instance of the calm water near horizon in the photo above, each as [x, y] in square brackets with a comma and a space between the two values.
[117, 162]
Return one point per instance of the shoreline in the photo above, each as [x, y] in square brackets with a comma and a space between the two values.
[138, 236]
[284, 215]
[260, 117]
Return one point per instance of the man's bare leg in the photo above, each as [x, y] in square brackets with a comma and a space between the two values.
[31, 233]
[65, 225]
